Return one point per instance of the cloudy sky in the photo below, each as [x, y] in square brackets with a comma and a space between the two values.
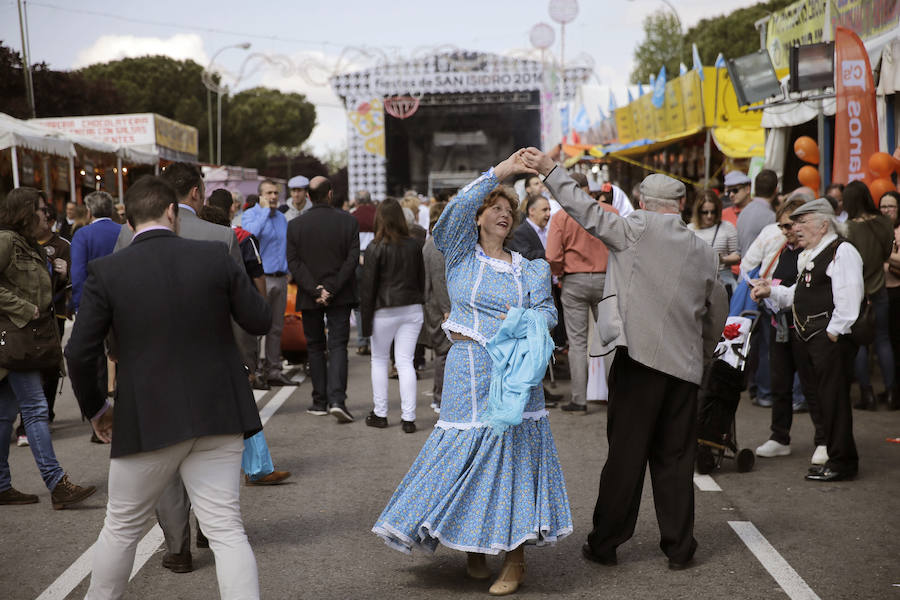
[308, 36]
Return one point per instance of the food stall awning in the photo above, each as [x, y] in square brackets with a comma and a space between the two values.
[16, 132]
[642, 146]
[738, 142]
[137, 156]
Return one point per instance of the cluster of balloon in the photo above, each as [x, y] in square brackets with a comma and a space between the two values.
[807, 150]
[881, 165]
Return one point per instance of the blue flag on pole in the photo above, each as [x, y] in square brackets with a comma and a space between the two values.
[682, 69]
[582, 122]
[720, 61]
[602, 114]
[640, 90]
[564, 120]
[659, 88]
[698, 66]
[612, 102]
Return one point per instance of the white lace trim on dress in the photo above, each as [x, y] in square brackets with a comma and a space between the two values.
[454, 327]
[500, 266]
[536, 415]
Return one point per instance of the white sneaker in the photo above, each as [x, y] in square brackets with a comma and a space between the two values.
[22, 441]
[820, 456]
[772, 449]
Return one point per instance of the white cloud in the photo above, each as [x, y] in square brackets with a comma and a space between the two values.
[113, 47]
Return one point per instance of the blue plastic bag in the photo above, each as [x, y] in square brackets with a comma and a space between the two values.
[740, 299]
[256, 460]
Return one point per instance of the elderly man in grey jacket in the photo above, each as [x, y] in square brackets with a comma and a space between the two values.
[663, 314]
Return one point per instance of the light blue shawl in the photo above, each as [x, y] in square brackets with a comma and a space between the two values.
[520, 351]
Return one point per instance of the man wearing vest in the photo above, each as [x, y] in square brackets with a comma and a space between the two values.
[826, 299]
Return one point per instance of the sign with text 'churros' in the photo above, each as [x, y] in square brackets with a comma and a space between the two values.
[856, 121]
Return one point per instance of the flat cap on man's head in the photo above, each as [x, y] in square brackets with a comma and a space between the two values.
[820, 206]
[733, 178]
[298, 182]
[662, 187]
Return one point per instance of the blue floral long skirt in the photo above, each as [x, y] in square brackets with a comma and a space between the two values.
[471, 489]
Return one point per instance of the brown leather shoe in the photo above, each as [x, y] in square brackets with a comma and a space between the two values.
[273, 478]
[178, 563]
[66, 493]
[14, 496]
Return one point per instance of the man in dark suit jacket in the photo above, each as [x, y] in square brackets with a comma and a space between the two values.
[182, 403]
[530, 238]
[322, 253]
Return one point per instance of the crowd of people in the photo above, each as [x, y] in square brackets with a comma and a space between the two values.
[494, 280]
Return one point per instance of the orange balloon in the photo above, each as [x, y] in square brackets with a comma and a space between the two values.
[806, 149]
[881, 164]
[880, 187]
[809, 176]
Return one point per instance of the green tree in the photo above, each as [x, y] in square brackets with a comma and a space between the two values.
[158, 84]
[733, 34]
[662, 45]
[262, 122]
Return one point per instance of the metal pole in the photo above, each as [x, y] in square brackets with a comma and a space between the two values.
[72, 179]
[26, 67]
[209, 129]
[820, 126]
[15, 166]
[119, 181]
[219, 126]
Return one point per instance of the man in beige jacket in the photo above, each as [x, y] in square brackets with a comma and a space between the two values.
[663, 313]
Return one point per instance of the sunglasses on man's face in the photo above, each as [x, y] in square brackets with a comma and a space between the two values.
[732, 190]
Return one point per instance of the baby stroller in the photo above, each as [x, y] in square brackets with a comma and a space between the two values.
[719, 395]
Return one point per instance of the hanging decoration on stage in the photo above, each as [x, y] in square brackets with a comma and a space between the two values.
[401, 107]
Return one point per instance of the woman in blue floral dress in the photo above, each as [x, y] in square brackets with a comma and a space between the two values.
[470, 488]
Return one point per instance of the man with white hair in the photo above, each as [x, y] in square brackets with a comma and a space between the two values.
[663, 315]
[826, 300]
[92, 241]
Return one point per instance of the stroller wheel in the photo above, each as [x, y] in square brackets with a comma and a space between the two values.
[706, 462]
[745, 460]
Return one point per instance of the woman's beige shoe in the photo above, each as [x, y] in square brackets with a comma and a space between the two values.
[476, 565]
[510, 578]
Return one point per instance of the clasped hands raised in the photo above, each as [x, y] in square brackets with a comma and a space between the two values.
[524, 160]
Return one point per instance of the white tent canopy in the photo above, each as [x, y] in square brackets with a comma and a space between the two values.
[18, 133]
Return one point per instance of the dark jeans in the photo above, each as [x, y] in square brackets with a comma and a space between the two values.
[830, 364]
[652, 418]
[328, 372]
[882, 343]
[785, 362]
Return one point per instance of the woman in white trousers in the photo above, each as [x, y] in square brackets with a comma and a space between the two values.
[391, 296]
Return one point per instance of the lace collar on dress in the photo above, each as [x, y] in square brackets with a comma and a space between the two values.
[500, 266]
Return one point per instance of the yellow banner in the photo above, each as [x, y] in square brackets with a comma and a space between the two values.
[692, 100]
[645, 125]
[624, 124]
[175, 136]
[720, 103]
[800, 23]
[674, 107]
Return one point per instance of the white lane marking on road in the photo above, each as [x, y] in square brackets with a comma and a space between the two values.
[706, 483]
[150, 543]
[785, 576]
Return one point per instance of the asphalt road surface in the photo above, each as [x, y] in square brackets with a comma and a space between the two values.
[763, 534]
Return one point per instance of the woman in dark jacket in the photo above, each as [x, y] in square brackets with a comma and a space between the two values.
[392, 292]
[873, 236]
[26, 293]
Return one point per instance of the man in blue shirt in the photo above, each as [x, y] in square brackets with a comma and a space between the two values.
[270, 228]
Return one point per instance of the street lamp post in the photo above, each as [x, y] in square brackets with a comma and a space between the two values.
[212, 86]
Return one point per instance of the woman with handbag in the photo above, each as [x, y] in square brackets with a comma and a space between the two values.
[890, 208]
[29, 342]
[708, 225]
[873, 236]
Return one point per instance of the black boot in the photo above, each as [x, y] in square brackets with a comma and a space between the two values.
[867, 399]
[892, 398]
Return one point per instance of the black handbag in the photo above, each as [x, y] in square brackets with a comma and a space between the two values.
[31, 348]
[862, 332]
